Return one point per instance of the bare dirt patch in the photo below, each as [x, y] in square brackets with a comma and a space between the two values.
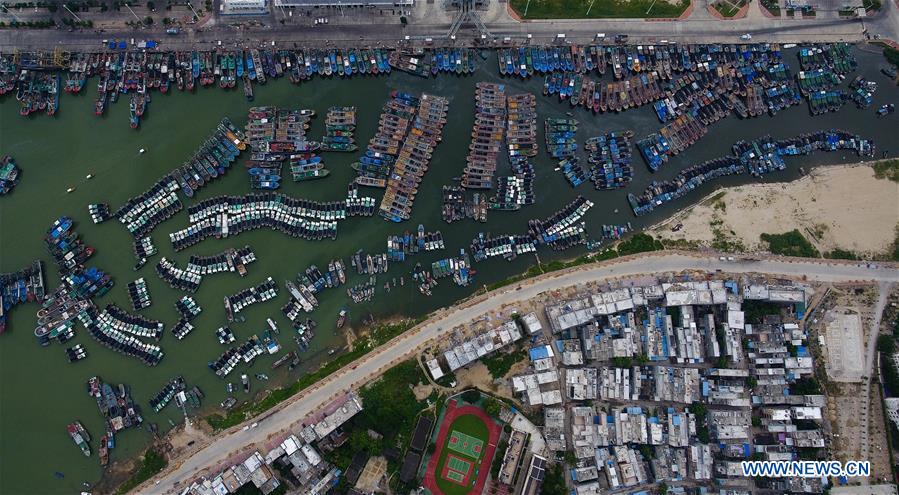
[844, 207]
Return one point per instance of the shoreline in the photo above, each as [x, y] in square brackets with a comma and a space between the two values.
[616, 269]
[870, 212]
[524, 279]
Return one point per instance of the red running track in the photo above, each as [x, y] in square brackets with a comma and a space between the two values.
[453, 412]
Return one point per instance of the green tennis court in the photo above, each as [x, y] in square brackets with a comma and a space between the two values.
[455, 476]
[457, 464]
[466, 444]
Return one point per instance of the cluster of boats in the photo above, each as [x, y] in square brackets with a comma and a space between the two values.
[224, 335]
[516, 190]
[278, 134]
[613, 96]
[363, 292]
[835, 56]
[487, 135]
[340, 124]
[25, 285]
[188, 308]
[168, 392]
[401, 246]
[301, 301]
[561, 230]
[459, 267]
[99, 212]
[263, 292]
[122, 333]
[626, 60]
[564, 228]
[423, 280]
[139, 294]
[456, 206]
[425, 62]
[674, 137]
[861, 91]
[38, 91]
[55, 319]
[757, 157]
[182, 328]
[212, 159]
[67, 249]
[230, 215]
[609, 156]
[189, 279]
[375, 166]
[118, 409]
[316, 281]
[142, 213]
[369, 264]
[508, 246]
[822, 101]
[561, 143]
[118, 319]
[414, 155]
[76, 353]
[228, 360]
[9, 175]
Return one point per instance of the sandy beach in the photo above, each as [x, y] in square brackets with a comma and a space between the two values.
[844, 207]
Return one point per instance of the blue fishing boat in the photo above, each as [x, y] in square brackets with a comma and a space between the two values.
[195, 64]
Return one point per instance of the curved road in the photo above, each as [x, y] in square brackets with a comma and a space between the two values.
[183, 471]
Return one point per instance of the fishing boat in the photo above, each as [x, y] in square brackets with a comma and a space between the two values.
[80, 437]
[341, 318]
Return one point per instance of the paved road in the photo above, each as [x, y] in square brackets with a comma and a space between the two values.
[180, 474]
[884, 290]
[697, 28]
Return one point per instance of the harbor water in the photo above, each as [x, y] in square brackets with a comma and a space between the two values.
[40, 392]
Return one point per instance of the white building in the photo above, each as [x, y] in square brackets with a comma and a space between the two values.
[243, 7]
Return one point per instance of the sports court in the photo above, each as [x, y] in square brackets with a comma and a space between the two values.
[457, 470]
[466, 444]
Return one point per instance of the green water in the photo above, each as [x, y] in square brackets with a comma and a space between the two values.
[40, 392]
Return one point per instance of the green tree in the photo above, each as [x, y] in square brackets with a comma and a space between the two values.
[554, 482]
[471, 396]
[886, 344]
[148, 21]
[492, 407]
[622, 362]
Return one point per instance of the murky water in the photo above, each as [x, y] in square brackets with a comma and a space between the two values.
[40, 392]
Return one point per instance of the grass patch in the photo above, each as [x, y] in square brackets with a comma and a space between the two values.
[891, 54]
[841, 254]
[894, 250]
[872, 4]
[151, 463]
[790, 243]
[728, 9]
[722, 240]
[754, 311]
[772, 6]
[378, 336]
[888, 169]
[536, 270]
[500, 363]
[639, 243]
[598, 9]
